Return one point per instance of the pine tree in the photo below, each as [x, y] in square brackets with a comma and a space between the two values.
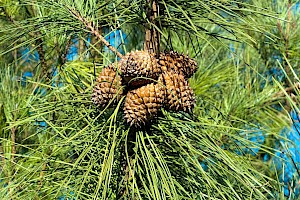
[87, 152]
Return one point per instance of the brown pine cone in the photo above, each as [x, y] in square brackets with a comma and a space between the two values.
[108, 88]
[179, 95]
[143, 104]
[139, 68]
[177, 63]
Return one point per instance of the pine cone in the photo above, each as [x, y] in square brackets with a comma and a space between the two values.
[179, 95]
[177, 63]
[138, 68]
[108, 87]
[143, 104]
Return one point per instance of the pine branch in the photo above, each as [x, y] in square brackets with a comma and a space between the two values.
[152, 36]
[63, 57]
[3, 160]
[94, 31]
[289, 90]
[39, 42]
[13, 144]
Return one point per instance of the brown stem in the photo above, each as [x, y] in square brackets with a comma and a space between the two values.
[41, 52]
[289, 90]
[152, 36]
[287, 53]
[287, 37]
[97, 45]
[42, 175]
[13, 144]
[15, 54]
[94, 31]
[13, 152]
[124, 191]
[3, 160]
[80, 49]
[280, 29]
[39, 43]
[63, 56]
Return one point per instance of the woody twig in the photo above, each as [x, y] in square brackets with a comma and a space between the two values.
[94, 31]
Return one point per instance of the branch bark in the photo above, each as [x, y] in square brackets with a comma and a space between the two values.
[152, 36]
[13, 144]
[3, 160]
[289, 90]
[63, 56]
[94, 31]
[287, 41]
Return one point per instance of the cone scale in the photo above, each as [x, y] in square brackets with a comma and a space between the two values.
[179, 96]
[108, 88]
[142, 105]
[177, 63]
[139, 68]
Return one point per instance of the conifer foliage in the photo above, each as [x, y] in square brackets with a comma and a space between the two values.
[171, 109]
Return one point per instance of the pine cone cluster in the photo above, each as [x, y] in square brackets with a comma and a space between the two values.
[149, 82]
